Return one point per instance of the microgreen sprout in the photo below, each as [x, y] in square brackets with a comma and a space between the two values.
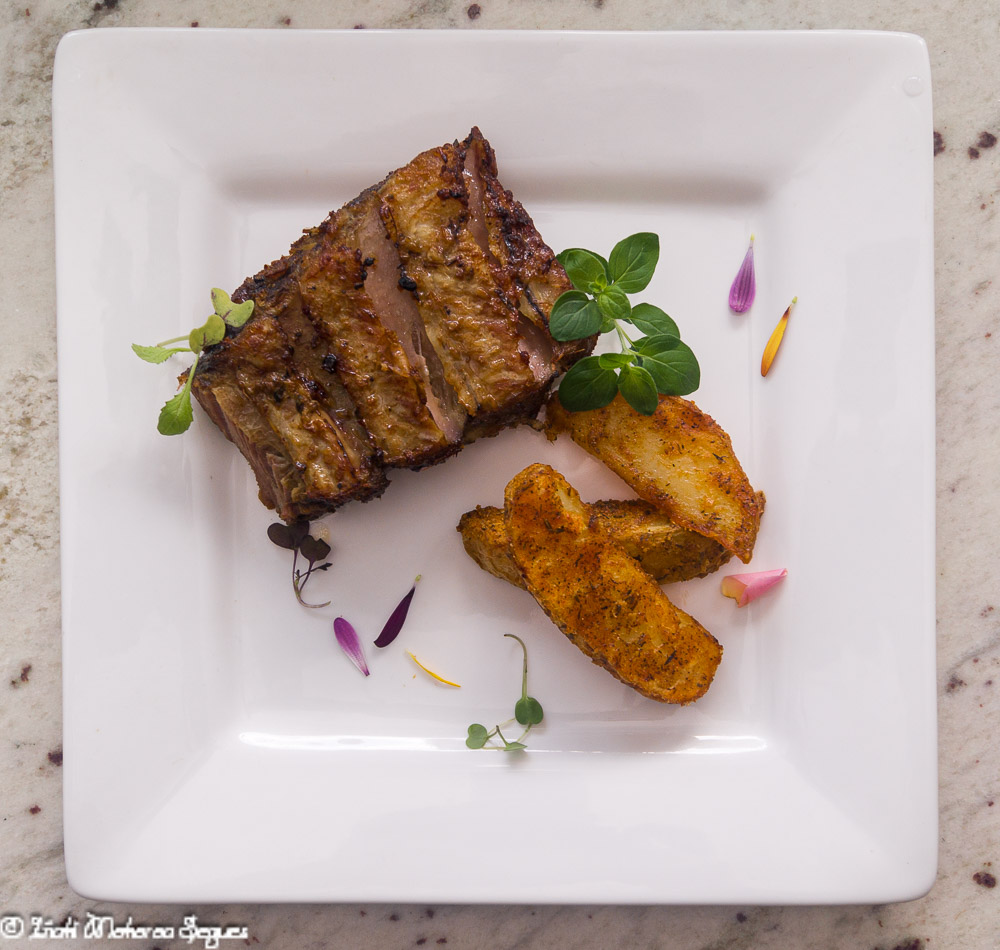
[296, 538]
[648, 365]
[176, 415]
[527, 712]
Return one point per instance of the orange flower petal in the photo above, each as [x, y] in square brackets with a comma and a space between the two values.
[770, 351]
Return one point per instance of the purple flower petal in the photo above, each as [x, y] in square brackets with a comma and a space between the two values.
[744, 287]
[350, 643]
[395, 622]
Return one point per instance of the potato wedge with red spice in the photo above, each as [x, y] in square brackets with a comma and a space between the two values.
[599, 596]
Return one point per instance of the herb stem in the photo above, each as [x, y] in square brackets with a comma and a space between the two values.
[174, 339]
[623, 338]
[524, 665]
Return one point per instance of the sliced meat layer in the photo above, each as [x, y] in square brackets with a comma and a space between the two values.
[359, 225]
[534, 278]
[475, 333]
[368, 359]
[304, 450]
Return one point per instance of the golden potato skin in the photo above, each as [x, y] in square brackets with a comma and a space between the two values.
[599, 596]
[678, 459]
[667, 552]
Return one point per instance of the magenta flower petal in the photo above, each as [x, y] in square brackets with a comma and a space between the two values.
[744, 287]
[350, 643]
[395, 622]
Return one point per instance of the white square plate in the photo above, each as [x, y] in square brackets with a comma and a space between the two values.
[219, 747]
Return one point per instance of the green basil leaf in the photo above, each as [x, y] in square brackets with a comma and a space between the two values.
[652, 320]
[615, 360]
[607, 324]
[613, 302]
[157, 354]
[176, 415]
[583, 268]
[671, 363]
[633, 261]
[587, 386]
[574, 316]
[639, 390]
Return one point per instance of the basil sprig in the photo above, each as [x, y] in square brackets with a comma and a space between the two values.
[649, 365]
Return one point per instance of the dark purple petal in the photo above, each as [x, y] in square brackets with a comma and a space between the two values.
[744, 287]
[349, 642]
[395, 622]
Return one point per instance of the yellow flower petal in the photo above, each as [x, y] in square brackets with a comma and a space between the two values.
[775, 340]
[431, 673]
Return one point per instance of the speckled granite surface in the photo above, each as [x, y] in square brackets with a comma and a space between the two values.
[963, 908]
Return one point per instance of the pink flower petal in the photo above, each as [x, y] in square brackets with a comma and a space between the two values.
[350, 643]
[744, 588]
[744, 287]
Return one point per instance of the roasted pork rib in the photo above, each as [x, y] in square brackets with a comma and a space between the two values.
[411, 321]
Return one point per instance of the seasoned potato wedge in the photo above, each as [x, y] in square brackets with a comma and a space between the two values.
[599, 596]
[678, 459]
[665, 551]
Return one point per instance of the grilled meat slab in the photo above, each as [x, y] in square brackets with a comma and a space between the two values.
[410, 322]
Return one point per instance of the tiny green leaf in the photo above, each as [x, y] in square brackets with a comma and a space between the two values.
[157, 354]
[633, 261]
[477, 736]
[613, 302]
[528, 711]
[671, 363]
[235, 314]
[587, 385]
[511, 746]
[639, 389]
[176, 415]
[211, 333]
[574, 316]
[615, 360]
[583, 268]
[652, 320]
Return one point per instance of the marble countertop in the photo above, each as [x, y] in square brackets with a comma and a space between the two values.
[963, 907]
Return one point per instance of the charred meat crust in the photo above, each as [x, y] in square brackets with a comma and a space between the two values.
[408, 323]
